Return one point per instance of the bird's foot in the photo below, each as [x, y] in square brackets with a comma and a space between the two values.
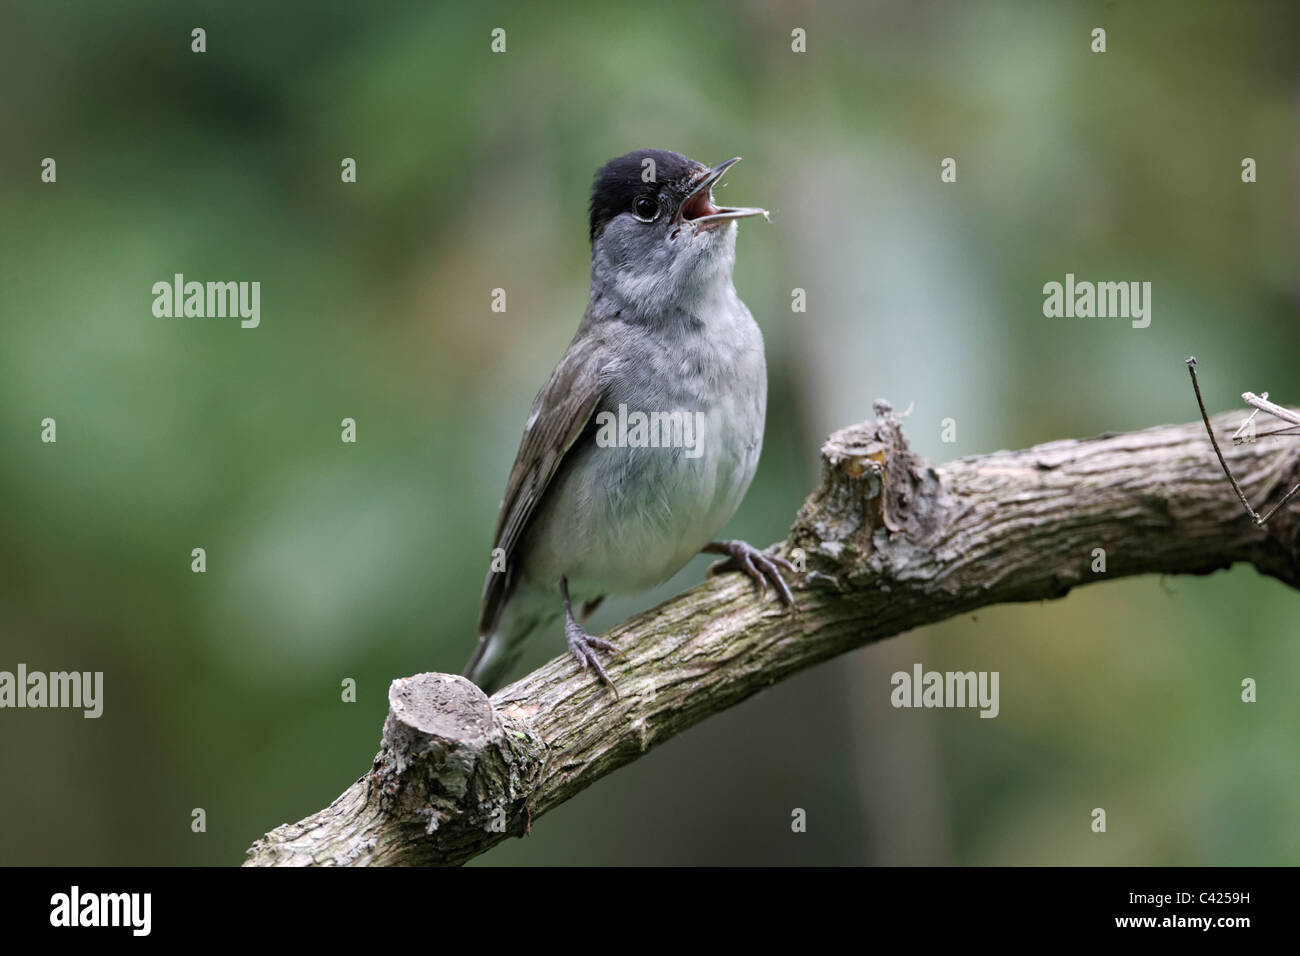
[583, 646]
[758, 564]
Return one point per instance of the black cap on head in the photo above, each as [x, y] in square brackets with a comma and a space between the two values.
[620, 181]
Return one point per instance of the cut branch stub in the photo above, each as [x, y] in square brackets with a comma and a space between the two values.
[874, 488]
[450, 761]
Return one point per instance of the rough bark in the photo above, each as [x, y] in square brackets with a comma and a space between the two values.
[889, 544]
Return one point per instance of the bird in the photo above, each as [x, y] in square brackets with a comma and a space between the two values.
[642, 443]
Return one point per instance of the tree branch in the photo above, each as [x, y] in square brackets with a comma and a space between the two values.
[889, 544]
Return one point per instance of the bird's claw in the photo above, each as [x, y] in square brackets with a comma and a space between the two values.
[583, 646]
[758, 564]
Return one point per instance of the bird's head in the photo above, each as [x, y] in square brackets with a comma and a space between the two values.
[656, 233]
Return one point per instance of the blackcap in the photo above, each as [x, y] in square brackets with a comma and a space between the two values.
[642, 443]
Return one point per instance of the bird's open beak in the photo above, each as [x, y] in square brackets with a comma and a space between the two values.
[698, 207]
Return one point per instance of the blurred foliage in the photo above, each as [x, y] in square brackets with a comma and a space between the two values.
[328, 561]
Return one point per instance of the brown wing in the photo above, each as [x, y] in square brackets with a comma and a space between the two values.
[559, 415]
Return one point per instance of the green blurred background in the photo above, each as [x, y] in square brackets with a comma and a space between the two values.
[328, 561]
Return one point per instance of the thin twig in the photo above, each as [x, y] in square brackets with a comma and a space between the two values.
[1191, 368]
[1262, 403]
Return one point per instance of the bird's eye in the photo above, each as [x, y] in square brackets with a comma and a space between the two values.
[645, 209]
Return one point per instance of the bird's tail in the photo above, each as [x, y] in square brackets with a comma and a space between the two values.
[487, 665]
[496, 655]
